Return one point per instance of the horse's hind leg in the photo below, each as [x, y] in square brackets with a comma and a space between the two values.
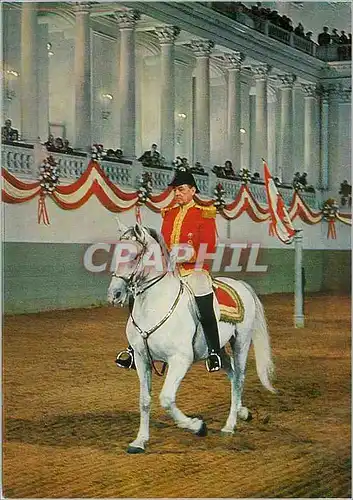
[177, 368]
[228, 365]
[235, 369]
[144, 373]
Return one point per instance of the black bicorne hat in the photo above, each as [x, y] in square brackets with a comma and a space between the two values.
[184, 177]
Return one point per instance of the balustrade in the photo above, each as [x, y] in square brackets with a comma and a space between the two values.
[20, 160]
[118, 173]
[71, 167]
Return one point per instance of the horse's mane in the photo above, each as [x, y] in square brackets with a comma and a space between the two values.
[159, 239]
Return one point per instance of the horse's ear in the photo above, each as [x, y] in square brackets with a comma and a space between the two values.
[139, 231]
[121, 227]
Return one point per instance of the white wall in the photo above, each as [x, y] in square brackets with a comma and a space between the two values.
[62, 83]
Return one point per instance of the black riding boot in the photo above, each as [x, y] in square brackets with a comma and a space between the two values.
[125, 359]
[210, 328]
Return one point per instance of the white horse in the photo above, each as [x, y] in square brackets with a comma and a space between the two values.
[164, 325]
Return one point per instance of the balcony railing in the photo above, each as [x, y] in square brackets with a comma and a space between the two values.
[244, 16]
[334, 52]
[18, 159]
[21, 161]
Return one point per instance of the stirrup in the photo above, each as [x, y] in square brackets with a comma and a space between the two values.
[125, 359]
[213, 362]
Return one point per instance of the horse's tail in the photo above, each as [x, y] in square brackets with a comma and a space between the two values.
[261, 341]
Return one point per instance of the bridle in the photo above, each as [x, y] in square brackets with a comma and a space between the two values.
[133, 285]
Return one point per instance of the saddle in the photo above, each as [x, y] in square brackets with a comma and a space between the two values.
[230, 304]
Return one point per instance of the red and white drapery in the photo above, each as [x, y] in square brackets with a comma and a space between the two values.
[94, 182]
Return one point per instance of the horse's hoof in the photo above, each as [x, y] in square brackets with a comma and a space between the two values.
[249, 417]
[226, 432]
[202, 432]
[133, 450]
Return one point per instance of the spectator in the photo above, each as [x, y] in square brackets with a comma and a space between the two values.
[350, 38]
[59, 145]
[346, 193]
[299, 30]
[119, 153]
[66, 147]
[256, 9]
[218, 170]
[151, 157]
[9, 134]
[343, 38]
[274, 17]
[50, 143]
[335, 38]
[308, 35]
[197, 168]
[228, 169]
[110, 153]
[303, 179]
[324, 38]
[256, 178]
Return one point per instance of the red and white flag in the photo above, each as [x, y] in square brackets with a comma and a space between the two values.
[281, 225]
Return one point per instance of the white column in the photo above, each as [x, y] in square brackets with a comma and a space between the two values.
[83, 139]
[245, 124]
[261, 148]
[233, 64]
[202, 50]
[252, 133]
[286, 132]
[29, 83]
[167, 36]
[43, 81]
[311, 138]
[334, 159]
[127, 92]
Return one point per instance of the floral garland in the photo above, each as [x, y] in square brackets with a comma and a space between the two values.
[97, 152]
[49, 175]
[245, 176]
[48, 181]
[297, 185]
[219, 201]
[144, 193]
[329, 212]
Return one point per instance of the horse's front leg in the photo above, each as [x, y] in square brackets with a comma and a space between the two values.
[144, 373]
[177, 368]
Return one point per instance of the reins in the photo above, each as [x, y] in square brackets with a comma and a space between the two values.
[146, 334]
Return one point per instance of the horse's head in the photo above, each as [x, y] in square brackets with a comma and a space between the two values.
[140, 255]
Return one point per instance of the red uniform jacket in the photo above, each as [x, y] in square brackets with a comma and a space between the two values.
[192, 225]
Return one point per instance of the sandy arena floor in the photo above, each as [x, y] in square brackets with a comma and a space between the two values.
[69, 413]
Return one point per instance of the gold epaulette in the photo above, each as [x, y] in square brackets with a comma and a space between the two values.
[208, 212]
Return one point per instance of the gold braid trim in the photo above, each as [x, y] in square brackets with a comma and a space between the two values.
[208, 212]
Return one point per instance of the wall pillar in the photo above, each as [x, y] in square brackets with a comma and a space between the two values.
[28, 75]
[202, 50]
[83, 105]
[286, 131]
[233, 64]
[127, 92]
[167, 36]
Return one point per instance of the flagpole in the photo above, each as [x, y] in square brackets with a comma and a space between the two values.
[298, 293]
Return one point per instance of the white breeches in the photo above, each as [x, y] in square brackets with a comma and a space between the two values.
[199, 282]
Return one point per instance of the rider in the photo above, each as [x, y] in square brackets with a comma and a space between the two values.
[191, 224]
